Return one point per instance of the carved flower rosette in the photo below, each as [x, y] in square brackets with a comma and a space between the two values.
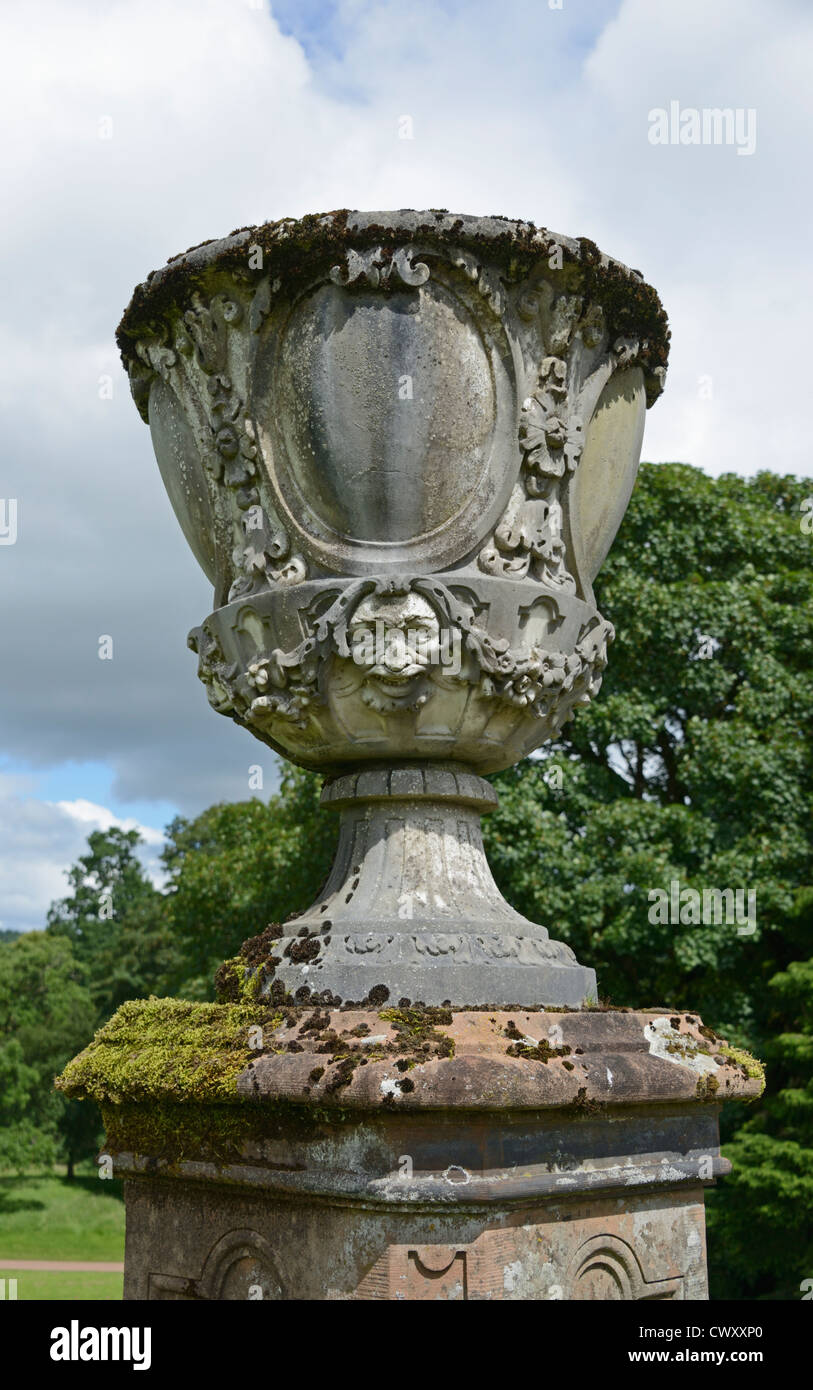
[400, 446]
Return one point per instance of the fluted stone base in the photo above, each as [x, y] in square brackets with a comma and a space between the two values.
[411, 909]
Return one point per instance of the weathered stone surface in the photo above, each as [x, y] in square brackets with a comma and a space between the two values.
[520, 1060]
[390, 409]
[402, 1153]
[408, 1057]
[238, 1244]
[400, 445]
[411, 903]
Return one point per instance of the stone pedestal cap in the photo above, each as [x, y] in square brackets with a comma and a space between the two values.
[165, 1051]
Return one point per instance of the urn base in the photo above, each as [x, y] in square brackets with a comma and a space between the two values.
[411, 911]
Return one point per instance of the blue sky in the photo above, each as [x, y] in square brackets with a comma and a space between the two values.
[225, 112]
[93, 781]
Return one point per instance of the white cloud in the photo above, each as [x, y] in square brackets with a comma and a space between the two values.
[41, 840]
[89, 817]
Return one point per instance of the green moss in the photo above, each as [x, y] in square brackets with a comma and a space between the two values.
[686, 1047]
[415, 1020]
[537, 1052]
[418, 1027]
[583, 1105]
[236, 982]
[751, 1066]
[169, 1049]
[218, 1133]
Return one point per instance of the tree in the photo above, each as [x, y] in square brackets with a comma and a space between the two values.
[46, 1017]
[116, 920]
[689, 767]
[770, 1190]
[239, 866]
[23, 1144]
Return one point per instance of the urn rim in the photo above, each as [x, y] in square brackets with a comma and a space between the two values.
[295, 248]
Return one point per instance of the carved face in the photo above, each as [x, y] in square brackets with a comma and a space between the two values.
[395, 641]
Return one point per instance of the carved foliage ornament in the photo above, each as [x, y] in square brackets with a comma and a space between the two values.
[529, 538]
[197, 366]
[205, 352]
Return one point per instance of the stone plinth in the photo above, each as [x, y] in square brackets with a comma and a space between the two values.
[410, 1153]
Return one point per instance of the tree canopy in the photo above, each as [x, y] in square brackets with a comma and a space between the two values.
[46, 1015]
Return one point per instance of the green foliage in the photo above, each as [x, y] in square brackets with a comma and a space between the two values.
[237, 867]
[116, 921]
[45, 1013]
[22, 1143]
[770, 1191]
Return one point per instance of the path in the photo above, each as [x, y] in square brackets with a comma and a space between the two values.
[66, 1266]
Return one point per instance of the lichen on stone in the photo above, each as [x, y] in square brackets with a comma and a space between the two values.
[294, 251]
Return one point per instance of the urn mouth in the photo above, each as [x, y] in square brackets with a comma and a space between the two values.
[294, 250]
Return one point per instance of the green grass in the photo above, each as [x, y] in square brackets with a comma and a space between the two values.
[45, 1217]
[34, 1285]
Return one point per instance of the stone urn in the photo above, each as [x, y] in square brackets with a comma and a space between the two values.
[400, 446]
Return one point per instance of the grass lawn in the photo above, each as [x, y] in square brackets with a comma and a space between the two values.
[43, 1285]
[45, 1217]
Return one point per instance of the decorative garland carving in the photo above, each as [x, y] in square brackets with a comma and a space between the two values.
[261, 554]
[528, 539]
[286, 685]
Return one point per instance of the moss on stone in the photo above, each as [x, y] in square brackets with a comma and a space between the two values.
[750, 1065]
[236, 982]
[169, 1049]
[297, 251]
[420, 1020]
[217, 1133]
[417, 1027]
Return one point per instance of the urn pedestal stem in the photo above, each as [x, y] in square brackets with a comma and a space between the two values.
[411, 910]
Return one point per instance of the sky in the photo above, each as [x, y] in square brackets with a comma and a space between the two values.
[132, 129]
